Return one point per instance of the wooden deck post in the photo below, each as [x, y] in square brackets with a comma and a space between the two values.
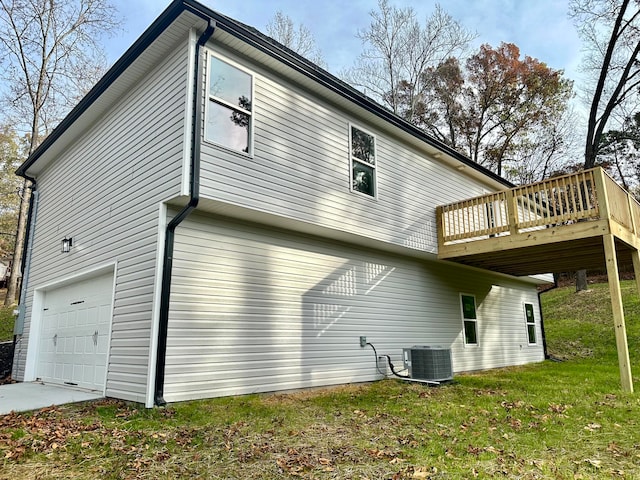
[601, 193]
[512, 212]
[440, 220]
[634, 227]
[635, 257]
[618, 313]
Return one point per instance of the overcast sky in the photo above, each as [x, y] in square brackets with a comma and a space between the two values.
[540, 28]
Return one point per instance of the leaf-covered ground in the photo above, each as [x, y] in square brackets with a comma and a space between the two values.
[559, 420]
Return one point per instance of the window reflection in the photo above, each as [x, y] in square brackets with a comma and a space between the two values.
[363, 178]
[229, 107]
[363, 162]
[362, 146]
[229, 84]
[227, 127]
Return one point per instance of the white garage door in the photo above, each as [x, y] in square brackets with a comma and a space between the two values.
[75, 331]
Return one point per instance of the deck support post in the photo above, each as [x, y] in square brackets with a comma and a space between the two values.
[618, 312]
[635, 257]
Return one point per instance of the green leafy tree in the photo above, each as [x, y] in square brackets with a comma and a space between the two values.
[618, 153]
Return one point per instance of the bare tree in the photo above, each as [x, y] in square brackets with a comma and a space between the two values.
[545, 152]
[610, 30]
[51, 54]
[11, 155]
[398, 49]
[299, 39]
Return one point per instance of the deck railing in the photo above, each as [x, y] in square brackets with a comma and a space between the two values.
[578, 197]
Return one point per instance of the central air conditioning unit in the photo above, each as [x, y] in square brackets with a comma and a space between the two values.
[428, 363]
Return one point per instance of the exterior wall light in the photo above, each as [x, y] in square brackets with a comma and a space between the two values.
[67, 243]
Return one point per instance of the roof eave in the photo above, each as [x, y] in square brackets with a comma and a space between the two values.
[262, 43]
[166, 18]
[336, 85]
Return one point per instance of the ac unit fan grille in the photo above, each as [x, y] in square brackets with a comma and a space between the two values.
[431, 364]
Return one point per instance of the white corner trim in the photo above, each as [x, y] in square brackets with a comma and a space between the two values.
[155, 310]
[34, 336]
[113, 301]
[188, 113]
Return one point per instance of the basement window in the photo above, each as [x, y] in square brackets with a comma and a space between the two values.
[362, 147]
[531, 323]
[469, 319]
[229, 115]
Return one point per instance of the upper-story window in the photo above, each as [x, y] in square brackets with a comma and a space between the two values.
[229, 106]
[363, 161]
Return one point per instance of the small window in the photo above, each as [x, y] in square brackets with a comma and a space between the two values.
[531, 323]
[469, 319]
[363, 162]
[229, 106]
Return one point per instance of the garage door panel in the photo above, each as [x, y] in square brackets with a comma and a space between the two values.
[75, 333]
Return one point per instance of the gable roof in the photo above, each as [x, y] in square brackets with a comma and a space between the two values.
[177, 18]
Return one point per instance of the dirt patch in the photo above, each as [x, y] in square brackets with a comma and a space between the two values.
[569, 279]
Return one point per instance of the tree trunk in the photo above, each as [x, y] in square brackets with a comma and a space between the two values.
[16, 266]
[581, 281]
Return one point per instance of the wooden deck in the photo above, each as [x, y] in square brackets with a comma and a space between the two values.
[579, 221]
[552, 226]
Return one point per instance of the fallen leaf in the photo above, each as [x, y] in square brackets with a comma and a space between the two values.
[592, 427]
[595, 463]
[423, 472]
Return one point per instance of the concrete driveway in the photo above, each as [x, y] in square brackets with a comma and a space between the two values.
[21, 397]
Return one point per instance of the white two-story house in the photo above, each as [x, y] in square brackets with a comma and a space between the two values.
[220, 216]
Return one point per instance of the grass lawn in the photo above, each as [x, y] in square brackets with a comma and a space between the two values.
[6, 323]
[558, 420]
[7, 319]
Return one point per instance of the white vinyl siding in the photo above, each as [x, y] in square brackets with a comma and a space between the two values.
[261, 309]
[104, 192]
[300, 170]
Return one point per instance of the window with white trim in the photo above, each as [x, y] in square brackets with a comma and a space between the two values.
[469, 319]
[229, 116]
[531, 323]
[362, 148]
